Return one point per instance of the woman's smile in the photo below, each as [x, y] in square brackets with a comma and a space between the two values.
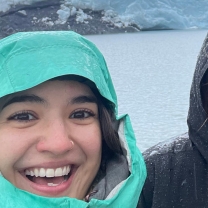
[50, 181]
[48, 176]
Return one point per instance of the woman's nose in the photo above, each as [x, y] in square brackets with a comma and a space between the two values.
[55, 138]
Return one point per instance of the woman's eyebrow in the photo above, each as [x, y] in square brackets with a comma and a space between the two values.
[24, 98]
[84, 99]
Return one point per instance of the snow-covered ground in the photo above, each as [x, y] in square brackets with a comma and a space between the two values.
[147, 14]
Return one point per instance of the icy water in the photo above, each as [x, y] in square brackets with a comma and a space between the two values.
[152, 74]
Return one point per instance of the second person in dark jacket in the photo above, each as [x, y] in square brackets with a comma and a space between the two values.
[178, 169]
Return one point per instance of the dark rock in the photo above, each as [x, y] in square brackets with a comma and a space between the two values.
[42, 16]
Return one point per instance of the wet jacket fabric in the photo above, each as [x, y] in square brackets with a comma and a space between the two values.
[28, 59]
[177, 168]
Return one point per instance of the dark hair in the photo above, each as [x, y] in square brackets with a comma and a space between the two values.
[111, 144]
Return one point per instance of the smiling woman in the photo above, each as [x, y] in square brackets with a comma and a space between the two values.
[55, 137]
[62, 143]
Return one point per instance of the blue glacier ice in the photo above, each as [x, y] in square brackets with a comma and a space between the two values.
[147, 14]
[157, 14]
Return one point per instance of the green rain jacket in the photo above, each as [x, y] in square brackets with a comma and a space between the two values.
[28, 59]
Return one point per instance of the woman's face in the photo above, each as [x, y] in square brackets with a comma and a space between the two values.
[50, 139]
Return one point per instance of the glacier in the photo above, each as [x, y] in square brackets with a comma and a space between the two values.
[146, 14]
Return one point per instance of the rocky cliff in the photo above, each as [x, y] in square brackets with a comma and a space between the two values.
[52, 15]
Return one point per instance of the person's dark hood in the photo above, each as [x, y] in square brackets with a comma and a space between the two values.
[197, 117]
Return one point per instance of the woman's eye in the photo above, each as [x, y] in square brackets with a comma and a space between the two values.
[82, 114]
[24, 116]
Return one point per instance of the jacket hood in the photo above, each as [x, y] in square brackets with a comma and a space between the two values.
[48, 55]
[197, 117]
[28, 59]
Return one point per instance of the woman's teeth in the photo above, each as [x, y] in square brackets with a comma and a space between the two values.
[48, 172]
